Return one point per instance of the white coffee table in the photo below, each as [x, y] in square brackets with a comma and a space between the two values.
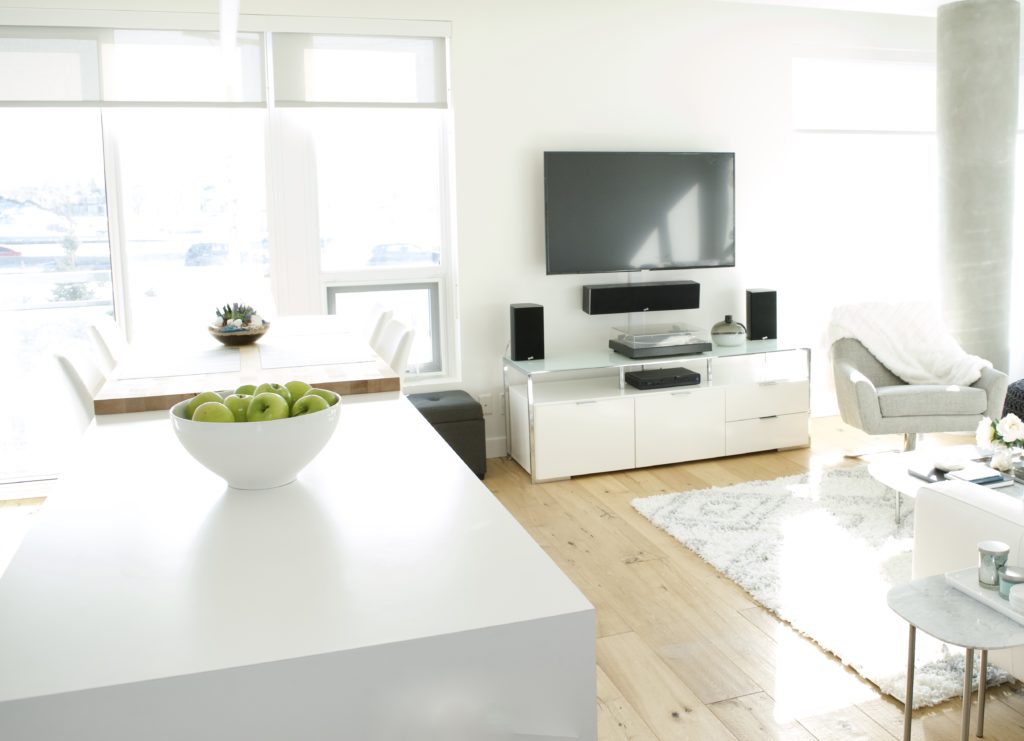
[890, 469]
[943, 611]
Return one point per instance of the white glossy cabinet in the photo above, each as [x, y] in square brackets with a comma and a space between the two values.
[585, 436]
[679, 425]
[766, 416]
[571, 417]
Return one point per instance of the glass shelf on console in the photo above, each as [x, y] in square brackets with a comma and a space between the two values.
[607, 359]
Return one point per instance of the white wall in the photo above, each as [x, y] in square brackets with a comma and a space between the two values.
[531, 75]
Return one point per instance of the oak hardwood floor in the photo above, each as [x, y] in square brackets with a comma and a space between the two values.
[684, 653]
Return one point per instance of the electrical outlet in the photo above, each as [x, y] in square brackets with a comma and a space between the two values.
[487, 401]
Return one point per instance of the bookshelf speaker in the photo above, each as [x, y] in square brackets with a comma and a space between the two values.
[527, 325]
[761, 306]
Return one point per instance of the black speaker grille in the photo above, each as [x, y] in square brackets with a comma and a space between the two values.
[622, 299]
[527, 331]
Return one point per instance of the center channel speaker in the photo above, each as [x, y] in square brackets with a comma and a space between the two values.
[619, 298]
[527, 324]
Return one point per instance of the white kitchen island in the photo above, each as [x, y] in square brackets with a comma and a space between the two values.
[384, 595]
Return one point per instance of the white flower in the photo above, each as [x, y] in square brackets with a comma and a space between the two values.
[255, 321]
[985, 433]
[1011, 429]
[1002, 459]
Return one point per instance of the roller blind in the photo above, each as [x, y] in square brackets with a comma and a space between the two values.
[311, 69]
[91, 65]
[863, 95]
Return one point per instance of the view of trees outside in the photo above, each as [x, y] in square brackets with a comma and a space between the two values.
[54, 273]
[194, 214]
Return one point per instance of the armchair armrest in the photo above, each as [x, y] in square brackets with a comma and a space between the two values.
[857, 397]
[994, 383]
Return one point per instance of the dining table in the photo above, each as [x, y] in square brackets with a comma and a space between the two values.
[154, 374]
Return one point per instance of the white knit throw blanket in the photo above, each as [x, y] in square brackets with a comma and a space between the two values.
[910, 340]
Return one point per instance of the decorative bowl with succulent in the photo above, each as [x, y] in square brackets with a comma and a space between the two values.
[238, 324]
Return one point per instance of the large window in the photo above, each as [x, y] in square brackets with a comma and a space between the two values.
[195, 218]
[154, 174]
[55, 275]
[864, 192]
[374, 111]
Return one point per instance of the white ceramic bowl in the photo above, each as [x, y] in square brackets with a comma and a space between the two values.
[256, 455]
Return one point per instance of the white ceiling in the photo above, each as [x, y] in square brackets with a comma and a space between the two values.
[898, 7]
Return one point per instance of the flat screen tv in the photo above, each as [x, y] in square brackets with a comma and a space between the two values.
[610, 212]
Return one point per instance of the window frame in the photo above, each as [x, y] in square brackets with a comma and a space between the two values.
[433, 288]
[298, 282]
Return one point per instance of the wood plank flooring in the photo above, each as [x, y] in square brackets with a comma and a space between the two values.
[684, 653]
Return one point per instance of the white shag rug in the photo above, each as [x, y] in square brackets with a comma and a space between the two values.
[820, 551]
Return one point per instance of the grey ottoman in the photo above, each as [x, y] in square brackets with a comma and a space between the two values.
[459, 419]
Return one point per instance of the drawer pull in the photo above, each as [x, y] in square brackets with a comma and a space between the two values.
[588, 401]
[769, 383]
[770, 416]
[680, 393]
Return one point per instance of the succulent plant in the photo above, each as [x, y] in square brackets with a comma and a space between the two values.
[236, 311]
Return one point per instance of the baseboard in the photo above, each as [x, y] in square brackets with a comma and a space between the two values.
[495, 447]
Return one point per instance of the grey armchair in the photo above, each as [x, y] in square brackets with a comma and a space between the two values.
[873, 399]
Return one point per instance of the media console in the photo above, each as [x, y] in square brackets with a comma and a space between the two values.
[574, 414]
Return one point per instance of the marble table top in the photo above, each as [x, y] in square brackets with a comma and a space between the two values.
[941, 610]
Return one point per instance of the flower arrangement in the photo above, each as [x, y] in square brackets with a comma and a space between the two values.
[1005, 437]
[236, 318]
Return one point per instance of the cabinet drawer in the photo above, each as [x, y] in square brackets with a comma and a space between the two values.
[767, 399]
[679, 426]
[769, 433]
[785, 365]
[586, 436]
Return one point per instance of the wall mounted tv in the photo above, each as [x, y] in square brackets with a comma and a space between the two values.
[610, 212]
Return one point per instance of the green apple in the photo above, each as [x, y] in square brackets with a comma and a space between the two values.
[266, 406]
[213, 411]
[297, 389]
[246, 390]
[329, 396]
[275, 388]
[308, 404]
[198, 399]
[239, 406]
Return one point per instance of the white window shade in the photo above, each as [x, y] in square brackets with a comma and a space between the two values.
[863, 95]
[48, 65]
[129, 66]
[359, 70]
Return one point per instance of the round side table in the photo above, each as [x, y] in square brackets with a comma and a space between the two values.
[941, 610]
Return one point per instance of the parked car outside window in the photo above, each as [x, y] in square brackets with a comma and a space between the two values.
[389, 254]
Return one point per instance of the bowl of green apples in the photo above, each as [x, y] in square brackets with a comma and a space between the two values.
[257, 437]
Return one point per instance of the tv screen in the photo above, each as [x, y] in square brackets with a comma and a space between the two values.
[619, 211]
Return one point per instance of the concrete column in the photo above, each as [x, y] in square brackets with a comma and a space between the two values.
[978, 68]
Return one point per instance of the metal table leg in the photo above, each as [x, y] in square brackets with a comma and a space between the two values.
[982, 686]
[965, 718]
[909, 702]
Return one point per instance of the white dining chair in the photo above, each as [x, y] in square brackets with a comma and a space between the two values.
[109, 342]
[380, 321]
[84, 377]
[394, 345]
